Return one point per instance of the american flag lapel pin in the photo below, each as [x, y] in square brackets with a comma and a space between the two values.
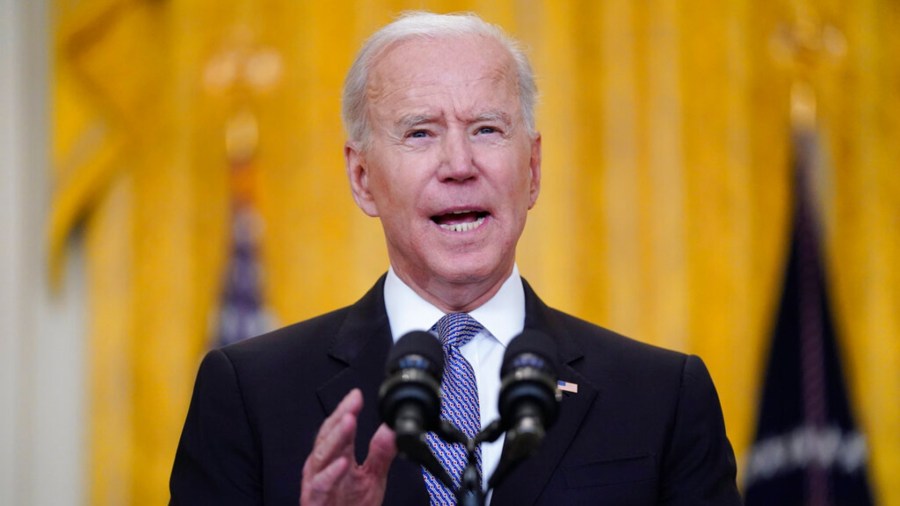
[567, 386]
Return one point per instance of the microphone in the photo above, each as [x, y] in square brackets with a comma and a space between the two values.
[409, 398]
[529, 400]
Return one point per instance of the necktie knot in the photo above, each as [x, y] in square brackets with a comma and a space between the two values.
[456, 329]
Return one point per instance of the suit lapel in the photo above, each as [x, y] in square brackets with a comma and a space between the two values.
[361, 347]
[525, 484]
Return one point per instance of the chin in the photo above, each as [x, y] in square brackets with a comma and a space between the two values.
[470, 270]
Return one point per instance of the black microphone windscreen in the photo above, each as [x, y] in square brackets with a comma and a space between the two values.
[535, 344]
[421, 343]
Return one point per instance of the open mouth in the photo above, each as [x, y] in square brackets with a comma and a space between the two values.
[460, 221]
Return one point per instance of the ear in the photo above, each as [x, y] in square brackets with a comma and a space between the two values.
[358, 174]
[535, 166]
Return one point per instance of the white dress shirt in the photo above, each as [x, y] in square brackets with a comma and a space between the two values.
[503, 317]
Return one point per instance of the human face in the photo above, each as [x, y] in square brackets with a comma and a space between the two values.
[449, 166]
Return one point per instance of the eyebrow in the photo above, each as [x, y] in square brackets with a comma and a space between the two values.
[413, 120]
[493, 116]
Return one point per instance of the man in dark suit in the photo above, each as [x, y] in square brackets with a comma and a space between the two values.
[443, 150]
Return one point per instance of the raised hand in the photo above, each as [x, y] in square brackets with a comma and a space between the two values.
[331, 475]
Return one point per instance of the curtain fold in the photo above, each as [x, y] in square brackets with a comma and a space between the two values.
[663, 212]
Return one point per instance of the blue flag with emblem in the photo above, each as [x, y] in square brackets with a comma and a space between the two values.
[808, 450]
[242, 310]
[242, 313]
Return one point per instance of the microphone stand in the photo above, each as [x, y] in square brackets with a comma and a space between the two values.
[470, 491]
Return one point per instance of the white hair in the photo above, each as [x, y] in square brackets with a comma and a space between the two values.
[418, 24]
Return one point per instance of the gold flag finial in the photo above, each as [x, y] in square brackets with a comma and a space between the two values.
[805, 46]
[241, 72]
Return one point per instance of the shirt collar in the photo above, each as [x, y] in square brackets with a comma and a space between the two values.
[503, 316]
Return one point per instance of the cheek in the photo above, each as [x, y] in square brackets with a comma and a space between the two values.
[397, 196]
[523, 184]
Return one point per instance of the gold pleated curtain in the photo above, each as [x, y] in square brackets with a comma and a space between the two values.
[663, 212]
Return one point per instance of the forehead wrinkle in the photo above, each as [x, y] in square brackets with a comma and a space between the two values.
[389, 83]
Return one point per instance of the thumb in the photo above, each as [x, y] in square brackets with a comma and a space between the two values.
[382, 451]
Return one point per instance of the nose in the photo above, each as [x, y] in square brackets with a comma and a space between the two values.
[458, 163]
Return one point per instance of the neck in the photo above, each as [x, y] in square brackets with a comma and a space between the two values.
[456, 297]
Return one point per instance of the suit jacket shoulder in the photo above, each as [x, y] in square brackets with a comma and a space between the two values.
[645, 426]
[257, 406]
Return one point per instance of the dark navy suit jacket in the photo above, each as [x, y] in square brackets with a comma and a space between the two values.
[645, 427]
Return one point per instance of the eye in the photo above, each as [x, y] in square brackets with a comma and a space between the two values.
[417, 134]
[485, 130]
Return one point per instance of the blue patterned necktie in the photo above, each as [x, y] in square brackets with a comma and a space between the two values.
[459, 404]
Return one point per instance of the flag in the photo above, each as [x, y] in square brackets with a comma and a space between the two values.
[242, 312]
[808, 450]
[567, 386]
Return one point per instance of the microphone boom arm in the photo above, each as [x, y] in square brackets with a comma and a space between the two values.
[411, 444]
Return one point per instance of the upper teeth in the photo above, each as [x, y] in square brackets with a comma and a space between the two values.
[464, 227]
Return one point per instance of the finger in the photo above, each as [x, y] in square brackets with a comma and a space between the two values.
[382, 450]
[319, 488]
[337, 434]
[351, 403]
[337, 442]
